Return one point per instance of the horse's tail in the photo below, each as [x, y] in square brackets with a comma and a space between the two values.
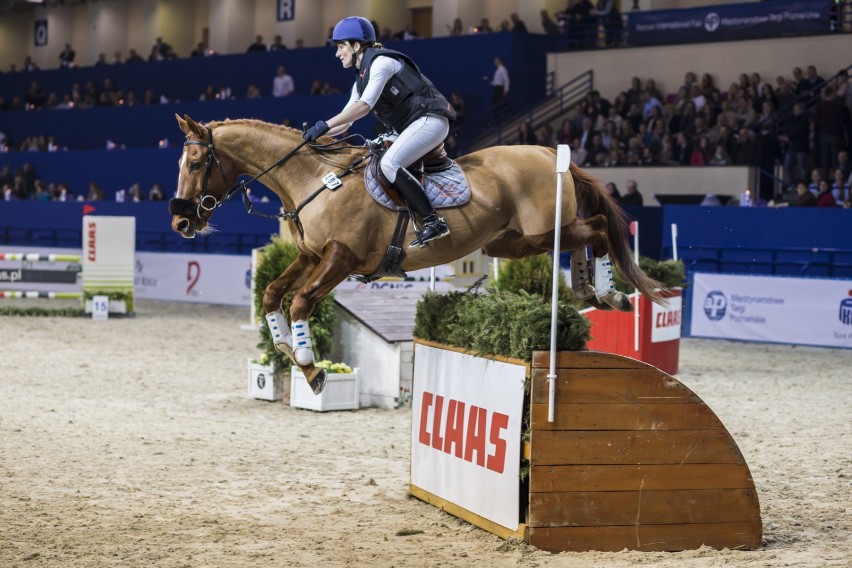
[593, 199]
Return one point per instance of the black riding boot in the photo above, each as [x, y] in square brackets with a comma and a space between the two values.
[413, 193]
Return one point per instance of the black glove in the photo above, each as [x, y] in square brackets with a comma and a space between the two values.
[315, 131]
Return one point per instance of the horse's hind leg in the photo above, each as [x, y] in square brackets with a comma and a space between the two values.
[593, 283]
[337, 262]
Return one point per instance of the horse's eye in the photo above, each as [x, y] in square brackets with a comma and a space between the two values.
[194, 166]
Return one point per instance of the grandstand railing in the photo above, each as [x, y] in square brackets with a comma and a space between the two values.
[827, 262]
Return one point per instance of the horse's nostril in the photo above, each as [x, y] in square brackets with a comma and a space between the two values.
[183, 225]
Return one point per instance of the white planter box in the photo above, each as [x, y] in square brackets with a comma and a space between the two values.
[264, 383]
[341, 392]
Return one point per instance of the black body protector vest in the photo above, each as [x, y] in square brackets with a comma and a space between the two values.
[407, 96]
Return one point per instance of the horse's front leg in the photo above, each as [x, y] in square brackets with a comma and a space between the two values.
[292, 278]
[337, 262]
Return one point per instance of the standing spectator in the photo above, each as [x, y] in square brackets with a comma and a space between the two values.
[66, 58]
[484, 27]
[160, 51]
[795, 135]
[632, 195]
[518, 24]
[277, 44]
[829, 128]
[499, 88]
[811, 85]
[257, 46]
[282, 84]
[548, 25]
[844, 164]
[457, 28]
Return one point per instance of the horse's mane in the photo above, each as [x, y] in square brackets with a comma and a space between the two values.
[269, 126]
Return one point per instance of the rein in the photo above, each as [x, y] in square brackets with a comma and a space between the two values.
[331, 181]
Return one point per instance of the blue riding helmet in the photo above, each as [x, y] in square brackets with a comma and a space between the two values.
[353, 28]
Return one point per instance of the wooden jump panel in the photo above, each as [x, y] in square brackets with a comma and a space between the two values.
[612, 508]
[635, 460]
[567, 447]
[633, 416]
[590, 386]
[549, 478]
[466, 515]
[648, 538]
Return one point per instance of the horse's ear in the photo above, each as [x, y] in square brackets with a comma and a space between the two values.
[193, 127]
[182, 124]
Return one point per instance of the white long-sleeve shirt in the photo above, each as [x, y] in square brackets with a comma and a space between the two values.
[501, 79]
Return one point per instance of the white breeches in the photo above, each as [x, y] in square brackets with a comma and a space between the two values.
[420, 137]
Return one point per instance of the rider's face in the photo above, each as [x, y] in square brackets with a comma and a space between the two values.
[344, 54]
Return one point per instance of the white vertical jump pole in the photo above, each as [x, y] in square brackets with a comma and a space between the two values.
[432, 278]
[674, 241]
[496, 263]
[635, 229]
[563, 163]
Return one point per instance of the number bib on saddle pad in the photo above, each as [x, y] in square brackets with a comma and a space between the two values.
[448, 188]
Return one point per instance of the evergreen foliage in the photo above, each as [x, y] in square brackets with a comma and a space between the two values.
[500, 323]
[274, 259]
[533, 274]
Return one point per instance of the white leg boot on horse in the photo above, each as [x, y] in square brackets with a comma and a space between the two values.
[605, 291]
[279, 329]
[581, 275]
[412, 192]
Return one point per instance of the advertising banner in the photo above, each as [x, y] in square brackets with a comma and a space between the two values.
[466, 432]
[728, 22]
[200, 278]
[801, 311]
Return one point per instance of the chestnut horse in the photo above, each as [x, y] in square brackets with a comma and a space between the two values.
[344, 232]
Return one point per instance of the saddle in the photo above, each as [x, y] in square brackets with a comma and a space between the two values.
[434, 161]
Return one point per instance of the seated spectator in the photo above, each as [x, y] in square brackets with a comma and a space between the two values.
[209, 94]
[258, 45]
[329, 89]
[804, 197]
[839, 187]
[458, 105]
[484, 27]
[225, 93]
[745, 150]
[407, 33]
[457, 27]
[95, 192]
[721, 157]
[816, 179]
[133, 57]
[316, 87]
[824, 197]
[134, 194]
[156, 193]
[277, 44]
[700, 153]
[518, 24]
[253, 92]
[526, 134]
[35, 97]
[29, 65]
[548, 25]
[199, 50]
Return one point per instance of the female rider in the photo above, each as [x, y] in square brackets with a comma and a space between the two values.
[391, 85]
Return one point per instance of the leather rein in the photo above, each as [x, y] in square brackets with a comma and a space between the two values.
[208, 202]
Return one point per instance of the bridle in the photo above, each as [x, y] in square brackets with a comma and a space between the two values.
[209, 203]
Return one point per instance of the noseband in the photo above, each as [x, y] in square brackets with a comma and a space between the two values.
[207, 202]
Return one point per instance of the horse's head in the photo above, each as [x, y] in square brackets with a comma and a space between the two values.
[204, 179]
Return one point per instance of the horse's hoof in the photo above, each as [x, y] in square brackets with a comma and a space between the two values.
[618, 300]
[318, 382]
